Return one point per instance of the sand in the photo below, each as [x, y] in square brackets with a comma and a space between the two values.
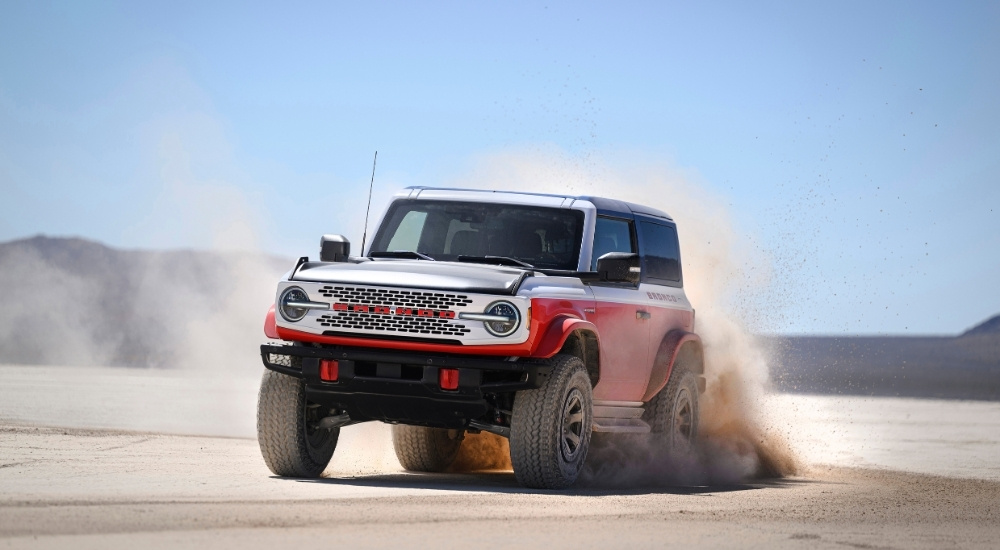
[102, 486]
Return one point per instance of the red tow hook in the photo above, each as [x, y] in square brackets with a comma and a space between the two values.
[448, 378]
[329, 370]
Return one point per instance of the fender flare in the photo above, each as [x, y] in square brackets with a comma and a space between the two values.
[559, 329]
[270, 327]
[666, 356]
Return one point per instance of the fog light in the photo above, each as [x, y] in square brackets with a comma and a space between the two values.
[448, 379]
[329, 370]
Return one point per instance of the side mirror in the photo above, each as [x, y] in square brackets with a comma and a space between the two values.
[334, 248]
[619, 267]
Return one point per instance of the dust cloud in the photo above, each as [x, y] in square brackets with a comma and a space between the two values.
[194, 315]
[76, 302]
[726, 277]
[70, 301]
[482, 451]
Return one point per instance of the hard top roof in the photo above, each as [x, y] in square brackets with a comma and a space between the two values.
[604, 205]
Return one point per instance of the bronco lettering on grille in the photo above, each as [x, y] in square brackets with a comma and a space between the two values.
[402, 311]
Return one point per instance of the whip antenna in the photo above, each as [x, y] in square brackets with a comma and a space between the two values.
[367, 210]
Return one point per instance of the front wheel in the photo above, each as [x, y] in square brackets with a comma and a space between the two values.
[290, 441]
[551, 426]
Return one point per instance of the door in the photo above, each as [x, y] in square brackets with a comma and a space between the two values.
[622, 319]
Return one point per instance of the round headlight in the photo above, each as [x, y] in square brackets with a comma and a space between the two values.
[292, 294]
[503, 328]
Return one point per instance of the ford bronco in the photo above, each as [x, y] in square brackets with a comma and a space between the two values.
[540, 318]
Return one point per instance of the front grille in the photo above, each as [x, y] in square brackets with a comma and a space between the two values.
[394, 311]
[394, 298]
[350, 320]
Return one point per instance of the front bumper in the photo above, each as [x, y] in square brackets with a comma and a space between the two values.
[403, 387]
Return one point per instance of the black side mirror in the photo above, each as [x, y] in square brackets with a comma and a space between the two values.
[619, 267]
[334, 248]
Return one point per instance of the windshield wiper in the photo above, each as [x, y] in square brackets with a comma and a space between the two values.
[400, 254]
[495, 260]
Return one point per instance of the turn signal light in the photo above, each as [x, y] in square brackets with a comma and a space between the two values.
[448, 379]
[329, 370]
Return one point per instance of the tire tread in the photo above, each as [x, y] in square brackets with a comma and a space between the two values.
[534, 448]
[422, 449]
[659, 410]
[281, 428]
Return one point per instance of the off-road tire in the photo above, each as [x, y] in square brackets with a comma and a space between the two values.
[421, 449]
[551, 426]
[289, 444]
[673, 414]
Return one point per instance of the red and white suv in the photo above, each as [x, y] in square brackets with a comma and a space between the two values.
[541, 318]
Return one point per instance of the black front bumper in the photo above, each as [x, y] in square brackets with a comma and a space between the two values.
[403, 387]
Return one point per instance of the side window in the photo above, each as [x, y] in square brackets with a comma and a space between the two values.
[661, 253]
[611, 235]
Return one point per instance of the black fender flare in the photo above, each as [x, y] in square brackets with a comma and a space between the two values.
[674, 344]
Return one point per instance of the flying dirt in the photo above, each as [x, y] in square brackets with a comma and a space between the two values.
[726, 278]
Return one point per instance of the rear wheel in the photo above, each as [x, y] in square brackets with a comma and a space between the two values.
[673, 413]
[421, 449]
[551, 426]
[290, 441]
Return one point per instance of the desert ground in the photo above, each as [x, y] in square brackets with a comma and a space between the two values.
[114, 458]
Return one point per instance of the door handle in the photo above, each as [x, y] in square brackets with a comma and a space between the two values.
[642, 315]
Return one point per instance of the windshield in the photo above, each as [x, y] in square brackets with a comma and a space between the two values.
[547, 238]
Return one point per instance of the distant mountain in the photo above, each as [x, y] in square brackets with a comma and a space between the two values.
[75, 301]
[989, 326]
[945, 367]
[72, 301]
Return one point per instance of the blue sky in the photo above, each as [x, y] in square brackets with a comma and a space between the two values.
[858, 142]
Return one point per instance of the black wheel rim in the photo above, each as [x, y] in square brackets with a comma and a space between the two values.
[316, 437]
[571, 434]
[683, 419]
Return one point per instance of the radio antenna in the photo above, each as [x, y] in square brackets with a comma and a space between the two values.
[364, 235]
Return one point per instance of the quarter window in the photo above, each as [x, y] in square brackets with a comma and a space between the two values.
[661, 253]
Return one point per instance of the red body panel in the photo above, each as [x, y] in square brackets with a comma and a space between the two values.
[664, 358]
[663, 322]
[270, 327]
[623, 351]
[502, 350]
[563, 317]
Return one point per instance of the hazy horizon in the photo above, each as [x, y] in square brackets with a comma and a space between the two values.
[272, 258]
